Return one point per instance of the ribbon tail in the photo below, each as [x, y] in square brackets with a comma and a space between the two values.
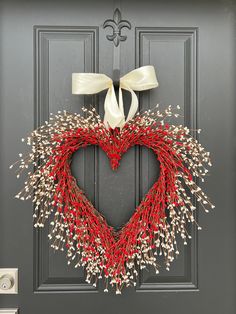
[121, 105]
[113, 115]
[121, 108]
[133, 106]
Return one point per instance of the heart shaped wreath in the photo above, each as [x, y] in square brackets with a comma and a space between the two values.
[163, 213]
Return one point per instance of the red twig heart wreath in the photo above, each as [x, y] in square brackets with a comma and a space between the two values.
[162, 214]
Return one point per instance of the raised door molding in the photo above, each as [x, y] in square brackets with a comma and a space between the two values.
[173, 52]
[58, 52]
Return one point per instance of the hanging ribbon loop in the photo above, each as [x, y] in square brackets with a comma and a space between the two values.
[140, 79]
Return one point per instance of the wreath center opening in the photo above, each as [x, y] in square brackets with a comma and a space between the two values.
[115, 191]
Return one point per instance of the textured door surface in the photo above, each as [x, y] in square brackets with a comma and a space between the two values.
[192, 46]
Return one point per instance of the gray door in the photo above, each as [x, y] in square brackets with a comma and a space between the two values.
[192, 46]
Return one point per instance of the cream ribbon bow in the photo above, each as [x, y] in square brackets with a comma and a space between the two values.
[140, 79]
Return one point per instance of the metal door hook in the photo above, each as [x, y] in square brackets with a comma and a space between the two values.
[116, 78]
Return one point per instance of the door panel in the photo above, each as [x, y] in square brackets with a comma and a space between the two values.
[192, 47]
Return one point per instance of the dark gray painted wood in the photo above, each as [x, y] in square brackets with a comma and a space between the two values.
[192, 46]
